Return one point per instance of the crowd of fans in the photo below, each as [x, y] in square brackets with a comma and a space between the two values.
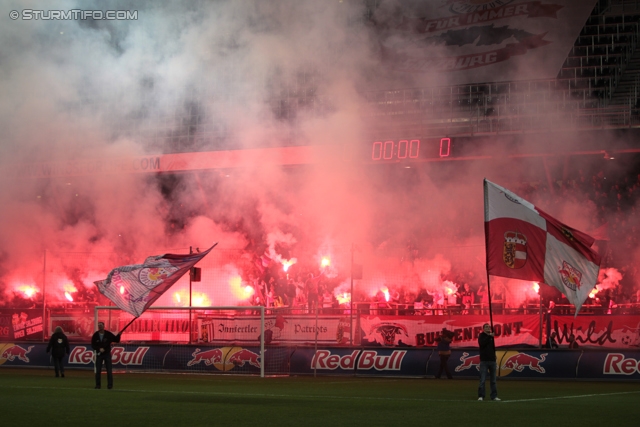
[613, 199]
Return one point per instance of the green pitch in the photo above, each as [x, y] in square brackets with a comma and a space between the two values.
[36, 397]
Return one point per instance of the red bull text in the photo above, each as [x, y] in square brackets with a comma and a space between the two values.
[369, 359]
[617, 364]
[83, 356]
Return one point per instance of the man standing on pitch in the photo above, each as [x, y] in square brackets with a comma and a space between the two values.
[59, 347]
[487, 362]
[101, 342]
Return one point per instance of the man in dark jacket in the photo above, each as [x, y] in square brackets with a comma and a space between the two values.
[487, 362]
[59, 347]
[444, 351]
[101, 342]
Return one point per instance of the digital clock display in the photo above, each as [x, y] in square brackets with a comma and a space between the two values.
[410, 149]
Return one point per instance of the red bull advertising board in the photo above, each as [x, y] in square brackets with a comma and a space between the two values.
[616, 365]
[524, 363]
[372, 361]
[610, 365]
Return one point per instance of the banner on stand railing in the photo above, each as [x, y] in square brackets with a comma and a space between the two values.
[20, 324]
[278, 329]
[420, 331]
[603, 331]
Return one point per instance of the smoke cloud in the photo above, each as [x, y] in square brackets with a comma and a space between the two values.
[214, 75]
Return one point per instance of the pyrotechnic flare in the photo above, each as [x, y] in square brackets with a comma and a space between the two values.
[28, 291]
[287, 263]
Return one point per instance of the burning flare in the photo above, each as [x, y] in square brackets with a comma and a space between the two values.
[385, 291]
[344, 298]
[449, 287]
[28, 291]
[326, 262]
[288, 263]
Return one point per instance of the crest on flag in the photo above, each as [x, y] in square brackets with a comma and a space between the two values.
[152, 277]
[514, 252]
[570, 276]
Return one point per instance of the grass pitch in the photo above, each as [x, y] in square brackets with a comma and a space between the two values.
[36, 397]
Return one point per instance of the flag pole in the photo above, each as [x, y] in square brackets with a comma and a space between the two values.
[127, 325]
[190, 293]
[489, 294]
[486, 246]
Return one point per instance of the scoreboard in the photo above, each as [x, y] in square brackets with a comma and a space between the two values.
[410, 149]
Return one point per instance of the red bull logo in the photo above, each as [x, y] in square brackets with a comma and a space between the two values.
[519, 361]
[240, 358]
[468, 362]
[209, 357]
[570, 276]
[11, 352]
[225, 358]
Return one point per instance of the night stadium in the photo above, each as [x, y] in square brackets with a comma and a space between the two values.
[340, 156]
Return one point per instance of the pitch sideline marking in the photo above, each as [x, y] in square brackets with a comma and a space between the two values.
[287, 396]
[571, 397]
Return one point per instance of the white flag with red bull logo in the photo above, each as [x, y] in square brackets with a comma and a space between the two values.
[525, 243]
[133, 288]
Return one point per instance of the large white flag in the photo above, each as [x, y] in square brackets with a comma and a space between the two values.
[133, 288]
[523, 242]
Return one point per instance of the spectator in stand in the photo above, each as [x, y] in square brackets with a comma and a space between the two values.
[573, 344]
[381, 302]
[269, 297]
[467, 298]
[299, 285]
[438, 302]
[278, 300]
[551, 341]
[312, 291]
[300, 303]
[606, 302]
[290, 292]
[327, 301]
[484, 298]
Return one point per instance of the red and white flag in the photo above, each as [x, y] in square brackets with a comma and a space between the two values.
[133, 288]
[525, 243]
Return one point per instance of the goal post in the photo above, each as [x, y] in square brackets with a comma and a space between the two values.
[216, 339]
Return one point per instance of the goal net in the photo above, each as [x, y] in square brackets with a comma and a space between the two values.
[227, 340]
